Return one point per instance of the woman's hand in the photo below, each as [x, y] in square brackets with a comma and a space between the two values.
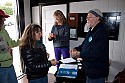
[52, 35]
[54, 62]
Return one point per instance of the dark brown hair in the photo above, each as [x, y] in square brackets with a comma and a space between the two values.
[28, 37]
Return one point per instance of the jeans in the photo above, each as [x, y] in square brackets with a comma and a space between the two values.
[61, 50]
[100, 80]
[40, 80]
[8, 75]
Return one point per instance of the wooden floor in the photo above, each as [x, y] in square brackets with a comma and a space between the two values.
[51, 79]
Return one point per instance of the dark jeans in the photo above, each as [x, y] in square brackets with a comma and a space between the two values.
[8, 75]
[40, 80]
[100, 80]
[61, 50]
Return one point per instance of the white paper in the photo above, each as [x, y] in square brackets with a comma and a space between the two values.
[68, 66]
[68, 60]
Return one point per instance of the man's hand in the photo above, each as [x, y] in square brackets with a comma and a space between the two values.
[72, 50]
[74, 53]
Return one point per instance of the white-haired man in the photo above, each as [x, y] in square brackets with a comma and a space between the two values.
[94, 50]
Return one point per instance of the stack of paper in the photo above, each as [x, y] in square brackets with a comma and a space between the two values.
[67, 70]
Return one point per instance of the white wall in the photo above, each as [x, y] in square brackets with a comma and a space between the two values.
[36, 15]
[27, 14]
[117, 48]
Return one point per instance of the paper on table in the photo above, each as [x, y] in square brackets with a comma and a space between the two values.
[68, 66]
[68, 60]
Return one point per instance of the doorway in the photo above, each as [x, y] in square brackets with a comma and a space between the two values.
[47, 23]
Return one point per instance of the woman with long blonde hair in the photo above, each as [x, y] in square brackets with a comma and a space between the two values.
[60, 35]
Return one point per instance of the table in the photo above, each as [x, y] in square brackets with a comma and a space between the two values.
[79, 79]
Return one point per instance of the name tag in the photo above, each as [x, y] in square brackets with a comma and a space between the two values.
[90, 39]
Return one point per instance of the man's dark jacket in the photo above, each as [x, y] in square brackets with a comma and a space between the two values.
[95, 52]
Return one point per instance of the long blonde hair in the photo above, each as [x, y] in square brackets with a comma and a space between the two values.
[28, 36]
[61, 16]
